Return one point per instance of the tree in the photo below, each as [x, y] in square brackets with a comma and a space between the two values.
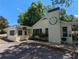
[3, 23]
[34, 13]
[62, 4]
[62, 12]
[68, 18]
[66, 3]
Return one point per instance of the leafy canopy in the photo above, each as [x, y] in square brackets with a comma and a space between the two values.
[3, 23]
[34, 13]
[65, 3]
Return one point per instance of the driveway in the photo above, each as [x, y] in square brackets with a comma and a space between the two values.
[4, 46]
[29, 50]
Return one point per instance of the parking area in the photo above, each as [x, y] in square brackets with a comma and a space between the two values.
[29, 50]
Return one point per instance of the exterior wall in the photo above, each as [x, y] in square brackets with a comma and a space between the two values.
[10, 37]
[41, 24]
[69, 40]
[54, 30]
[20, 37]
[69, 32]
[29, 32]
[43, 30]
[17, 37]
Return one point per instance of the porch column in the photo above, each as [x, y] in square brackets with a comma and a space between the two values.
[17, 37]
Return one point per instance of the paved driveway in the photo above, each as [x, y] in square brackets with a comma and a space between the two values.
[4, 46]
[29, 51]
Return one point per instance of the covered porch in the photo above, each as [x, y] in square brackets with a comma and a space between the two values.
[18, 33]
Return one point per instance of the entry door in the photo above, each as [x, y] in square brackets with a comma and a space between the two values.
[65, 34]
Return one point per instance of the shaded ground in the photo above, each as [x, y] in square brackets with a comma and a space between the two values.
[31, 51]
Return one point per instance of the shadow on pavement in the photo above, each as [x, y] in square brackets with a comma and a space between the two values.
[31, 51]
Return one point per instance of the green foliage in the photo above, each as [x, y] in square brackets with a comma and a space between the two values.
[34, 13]
[62, 4]
[68, 18]
[48, 7]
[66, 3]
[62, 12]
[3, 23]
[65, 17]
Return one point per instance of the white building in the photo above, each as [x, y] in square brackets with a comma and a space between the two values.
[58, 31]
[41, 25]
[18, 33]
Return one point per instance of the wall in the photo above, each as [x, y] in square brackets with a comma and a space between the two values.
[12, 38]
[41, 24]
[54, 30]
[69, 31]
[16, 37]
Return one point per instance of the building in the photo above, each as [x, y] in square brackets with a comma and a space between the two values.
[69, 32]
[57, 31]
[18, 33]
[41, 27]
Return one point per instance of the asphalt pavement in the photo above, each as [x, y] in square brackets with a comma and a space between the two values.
[30, 50]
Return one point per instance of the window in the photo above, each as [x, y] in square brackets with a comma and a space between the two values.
[46, 31]
[20, 32]
[12, 32]
[74, 27]
[37, 31]
[40, 31]
[64, 31]
[33, 31]
[25, 32]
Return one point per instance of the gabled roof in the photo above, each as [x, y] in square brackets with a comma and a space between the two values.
[43, 22]
[54, 9]
[71, 23]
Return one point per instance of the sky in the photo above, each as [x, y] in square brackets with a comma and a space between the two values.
[10, 9]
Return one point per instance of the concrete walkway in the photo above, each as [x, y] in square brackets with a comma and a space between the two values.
[67, 47]
[4, 45]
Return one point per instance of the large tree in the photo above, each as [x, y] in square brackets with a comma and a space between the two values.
[3, 23]
[63, 4]
[34, 13]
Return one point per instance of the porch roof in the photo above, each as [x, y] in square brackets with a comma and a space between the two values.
[17, 27]
[70, 23]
